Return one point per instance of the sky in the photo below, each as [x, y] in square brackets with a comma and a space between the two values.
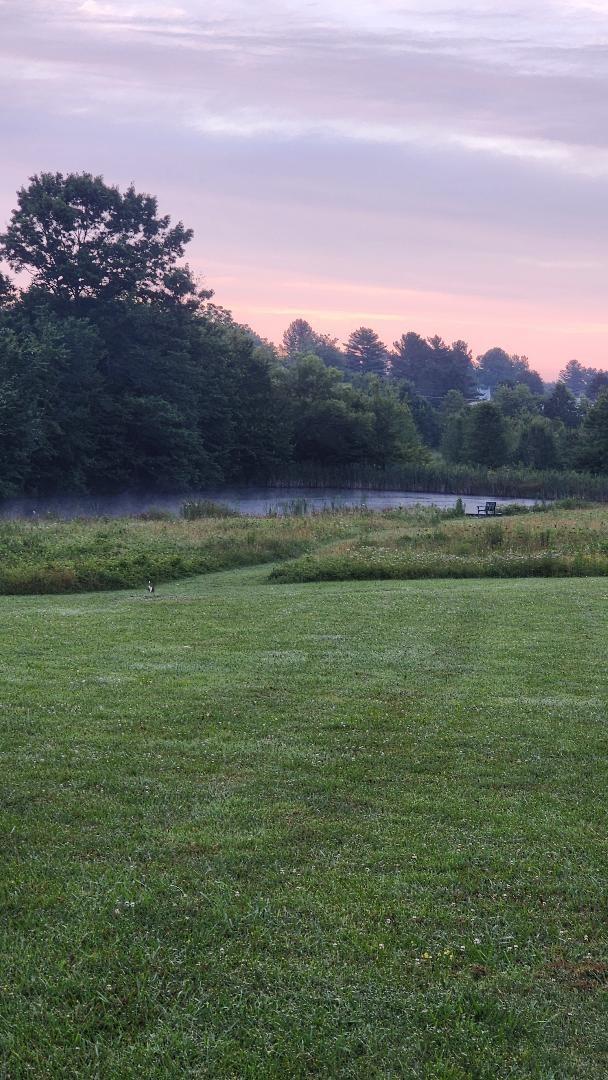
[427, 165]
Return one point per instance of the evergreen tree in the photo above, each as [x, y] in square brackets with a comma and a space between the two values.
[561, 405]
[576, 377]
[365, 353]
[433, 367]
[409, 359]
[298, 339]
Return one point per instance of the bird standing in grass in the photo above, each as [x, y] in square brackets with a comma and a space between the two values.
[151, 587]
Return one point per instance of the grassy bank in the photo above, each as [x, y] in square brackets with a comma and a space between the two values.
[335, 831]
[555, 543]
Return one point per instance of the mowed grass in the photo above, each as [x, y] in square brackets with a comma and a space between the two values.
[338, 830]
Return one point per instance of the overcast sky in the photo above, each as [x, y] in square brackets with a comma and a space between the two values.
[428, 164]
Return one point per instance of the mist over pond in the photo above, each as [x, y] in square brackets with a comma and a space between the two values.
[253, 501]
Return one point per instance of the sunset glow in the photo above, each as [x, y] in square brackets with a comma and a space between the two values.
[417, 165]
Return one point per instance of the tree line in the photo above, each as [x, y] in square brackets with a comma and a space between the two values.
[118, 371]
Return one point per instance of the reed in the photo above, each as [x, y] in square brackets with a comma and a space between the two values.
[445, 479]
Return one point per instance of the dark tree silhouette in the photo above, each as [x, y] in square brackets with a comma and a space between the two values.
[298, 339]
[561, 405]
[365, 353]
[79, 238]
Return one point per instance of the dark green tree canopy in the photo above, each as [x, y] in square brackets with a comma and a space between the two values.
[8, 292]
[338, 423]
[433, 367]
[561, 405]
[115, 372]
[594, 440]
[80, 239]
[518, 400]
[598, 383]
[486, 442]
[577, 377]
[409, 356]
[298, 339]
[496, 367]
[538, 448]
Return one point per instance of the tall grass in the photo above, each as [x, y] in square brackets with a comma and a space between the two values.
[194, 509]
[82, 555]
[558, 543]
[85, 554]
[446, 479]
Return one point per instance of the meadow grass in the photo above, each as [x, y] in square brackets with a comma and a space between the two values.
[325, 830]
[86, 555]
[556, 543]
[89, 554]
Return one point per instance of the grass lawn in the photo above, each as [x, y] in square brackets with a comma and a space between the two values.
[329, 830]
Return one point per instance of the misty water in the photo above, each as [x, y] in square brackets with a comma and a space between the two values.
[255, 501]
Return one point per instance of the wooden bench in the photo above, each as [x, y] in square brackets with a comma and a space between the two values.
[488, 510]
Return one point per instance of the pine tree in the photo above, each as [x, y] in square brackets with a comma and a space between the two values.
[365, 353]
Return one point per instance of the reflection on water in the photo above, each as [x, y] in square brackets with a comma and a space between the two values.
[254, 501]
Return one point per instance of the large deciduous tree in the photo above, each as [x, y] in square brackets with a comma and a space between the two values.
[80, 238]
[486, 442]
[538, 445]
[496, 367]
[337, 423]
[594, 437]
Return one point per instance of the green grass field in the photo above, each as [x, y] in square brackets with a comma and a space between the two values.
[327, 830]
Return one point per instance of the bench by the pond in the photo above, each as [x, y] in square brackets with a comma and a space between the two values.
[487, 510]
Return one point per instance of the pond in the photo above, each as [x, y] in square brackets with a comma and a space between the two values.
[256, 501]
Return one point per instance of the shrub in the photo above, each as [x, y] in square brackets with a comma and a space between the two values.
[494, 535]
[195, 509]
[155, 513]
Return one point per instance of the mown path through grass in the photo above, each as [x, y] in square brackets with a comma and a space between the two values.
[259, 830]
